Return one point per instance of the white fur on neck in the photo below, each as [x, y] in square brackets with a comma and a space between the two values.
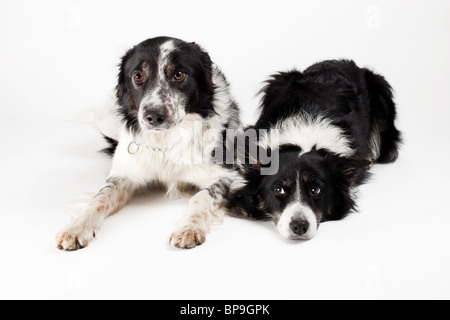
[308, 132]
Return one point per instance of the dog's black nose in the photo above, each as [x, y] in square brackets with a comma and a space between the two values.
[299, 227]
[155, 117]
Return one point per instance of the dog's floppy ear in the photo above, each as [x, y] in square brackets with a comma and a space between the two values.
[247, 200]
[347, 173]
[122, 87]
[353, 170]
[206, 65]
[126, 106]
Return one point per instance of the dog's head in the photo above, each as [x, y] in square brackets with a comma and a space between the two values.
[161, 80]
[308, 188]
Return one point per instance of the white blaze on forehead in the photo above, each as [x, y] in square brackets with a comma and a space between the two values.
[165, 50]
[153, 97]
[297, 211]
[308, 132]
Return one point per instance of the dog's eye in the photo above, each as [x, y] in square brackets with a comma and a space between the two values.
[279, 191]
[315, 191]
[179, 75]
[139, 77]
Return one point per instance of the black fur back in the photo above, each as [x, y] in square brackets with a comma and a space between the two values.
[383, 116]
[355, 99]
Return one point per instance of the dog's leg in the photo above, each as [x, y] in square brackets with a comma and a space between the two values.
[205, 209]
[116, 193]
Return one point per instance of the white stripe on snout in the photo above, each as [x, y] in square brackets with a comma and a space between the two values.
[293, 211]
[153, 98]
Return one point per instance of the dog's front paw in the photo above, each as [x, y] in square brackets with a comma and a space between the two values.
[74, 238]
[188, 238]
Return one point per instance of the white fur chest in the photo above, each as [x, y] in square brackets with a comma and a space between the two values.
[180, 155]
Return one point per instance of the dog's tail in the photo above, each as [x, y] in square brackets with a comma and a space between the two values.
[385, 138]
[106, 119]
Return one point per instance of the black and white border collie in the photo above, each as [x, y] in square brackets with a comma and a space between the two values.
[173, 106]
[332, 122]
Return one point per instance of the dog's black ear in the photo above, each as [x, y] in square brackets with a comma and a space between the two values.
[206, 59]
[122, 87]
[206, 80]
[353, 170]
[248, 200]
[346, 173]
[202, 100]
[127, 108]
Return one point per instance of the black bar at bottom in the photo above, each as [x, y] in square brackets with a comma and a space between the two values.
[228, 309]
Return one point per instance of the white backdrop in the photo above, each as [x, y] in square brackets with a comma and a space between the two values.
[58, 60]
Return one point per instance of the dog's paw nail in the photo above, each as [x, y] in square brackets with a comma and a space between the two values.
[188, 239]
[73, 239]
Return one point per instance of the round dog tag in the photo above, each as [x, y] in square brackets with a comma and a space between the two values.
[133, 147]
